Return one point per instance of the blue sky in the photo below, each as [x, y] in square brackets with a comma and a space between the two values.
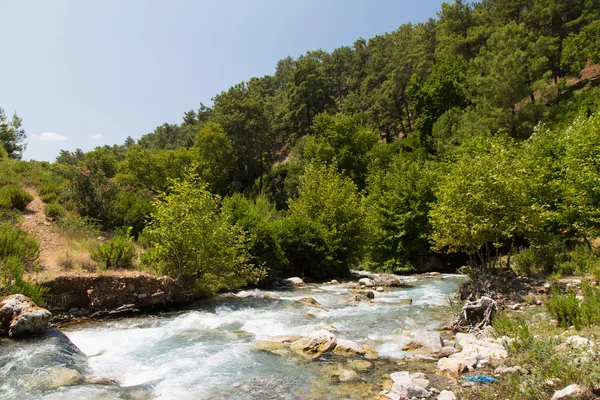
[87, 73]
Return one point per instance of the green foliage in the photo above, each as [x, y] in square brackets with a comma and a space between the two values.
[12, 136]
[131, 210]
[15, 242]
[258, 218]
[214, 157]
[481, 202]
[569, 310]
[18, 252]
[339, 140]
[581, 48]
[332, 219]
[543, 257]
[582, 261]
[192, 242]
[582, 176]
[515, 328]
[117, 253]
[54, 211]
[400, 199]
[92, 192]
[152, 169]
[14, 197]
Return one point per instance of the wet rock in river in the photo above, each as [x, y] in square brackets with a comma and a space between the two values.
[368, 282]
[314, 344]
[21, 317]
[348, 348]
[389, 280]
[294, 281]
[310, 301]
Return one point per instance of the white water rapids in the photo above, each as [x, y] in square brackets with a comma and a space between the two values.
[207, 350]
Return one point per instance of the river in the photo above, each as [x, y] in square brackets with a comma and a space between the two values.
[207, 351]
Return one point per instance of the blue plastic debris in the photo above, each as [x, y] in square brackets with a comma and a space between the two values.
[480, 379]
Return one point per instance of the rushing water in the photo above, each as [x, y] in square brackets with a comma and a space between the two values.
[208, 351]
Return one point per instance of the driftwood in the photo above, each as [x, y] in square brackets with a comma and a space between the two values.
[475, 314]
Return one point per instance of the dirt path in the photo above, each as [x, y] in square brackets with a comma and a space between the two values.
[52, 245]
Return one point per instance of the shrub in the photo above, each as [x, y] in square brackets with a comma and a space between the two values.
[117, 253]
[49, 197]
[131, 210]
[581, 261]
[54, 211]
[569, 310]
[18, 251]
[12, 281]
[14, 197]
[331, 216]
[258, 218]
[540, 257]
[15, 242]
[192, 242]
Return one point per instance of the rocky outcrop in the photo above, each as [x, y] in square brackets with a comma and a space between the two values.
[21, 317]
[83, 294]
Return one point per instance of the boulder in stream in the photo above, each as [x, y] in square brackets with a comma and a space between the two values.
[21, 317]
[294, 281]
[314, 344]
[348, 348]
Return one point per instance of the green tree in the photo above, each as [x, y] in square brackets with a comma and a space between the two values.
[308, 91]
[481, 203]
[193, 243]
[582, 176]
[509, 66]
[399, 200]
[214, 157]
[12, 135]
[242, 113]
[328, 224]
[339, 140]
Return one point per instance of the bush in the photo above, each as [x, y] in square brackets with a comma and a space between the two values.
[258, 218]
[569, 310]
[54, 211]
[543, 257]
[330, 217]
[49, 197]
[118, 253]
[581, 261]
[14, 197]
[131, 210]
[75, 226]
[18, 252]
[192, 242]
[15, 242]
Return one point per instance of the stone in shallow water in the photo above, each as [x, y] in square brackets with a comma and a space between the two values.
[348, 375]
[314, 344]
[348, 348]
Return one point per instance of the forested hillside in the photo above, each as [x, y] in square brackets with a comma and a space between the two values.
[469, 136]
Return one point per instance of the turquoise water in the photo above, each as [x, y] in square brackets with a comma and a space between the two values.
[207, 351]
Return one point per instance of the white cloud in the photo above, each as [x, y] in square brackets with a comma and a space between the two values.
[98, 136]
[50, 137]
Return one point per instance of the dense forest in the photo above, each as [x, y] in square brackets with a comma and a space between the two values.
[469, 138]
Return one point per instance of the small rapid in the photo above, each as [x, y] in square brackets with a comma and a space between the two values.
[207, 351]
